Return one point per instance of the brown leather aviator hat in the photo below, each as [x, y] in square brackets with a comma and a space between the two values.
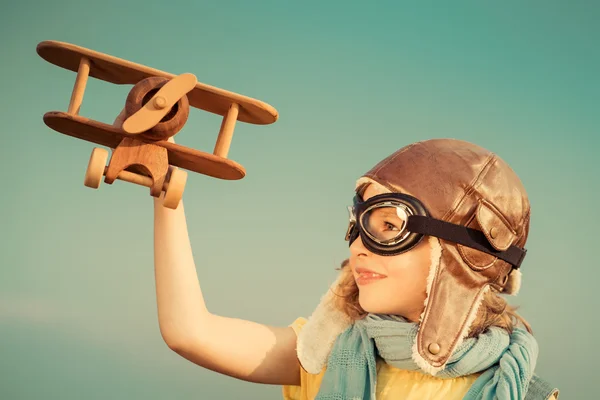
[464, 198]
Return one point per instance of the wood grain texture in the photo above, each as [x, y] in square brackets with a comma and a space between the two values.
[149, 157]
[110, 136]
[120, 71]
[79, 87]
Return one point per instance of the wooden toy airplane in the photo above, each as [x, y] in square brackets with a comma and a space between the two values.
[156, 109]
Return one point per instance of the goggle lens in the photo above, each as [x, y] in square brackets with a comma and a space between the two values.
[385, 223]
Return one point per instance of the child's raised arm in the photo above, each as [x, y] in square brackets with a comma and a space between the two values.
[242, 349]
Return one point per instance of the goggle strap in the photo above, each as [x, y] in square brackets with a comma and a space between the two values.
[466, 236]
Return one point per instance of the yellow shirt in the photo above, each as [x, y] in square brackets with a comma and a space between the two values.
[392, 383]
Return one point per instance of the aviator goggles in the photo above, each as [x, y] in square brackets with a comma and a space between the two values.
[393, 223]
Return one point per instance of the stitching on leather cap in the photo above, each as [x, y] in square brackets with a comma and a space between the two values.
[489, 206]
[470, 187]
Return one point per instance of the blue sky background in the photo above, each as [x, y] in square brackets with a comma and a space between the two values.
[352, 82]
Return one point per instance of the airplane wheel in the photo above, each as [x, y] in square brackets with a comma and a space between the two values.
[174, 191]
[95, 169]
[175, 119]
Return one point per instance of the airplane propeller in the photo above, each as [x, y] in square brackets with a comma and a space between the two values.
[160, 104]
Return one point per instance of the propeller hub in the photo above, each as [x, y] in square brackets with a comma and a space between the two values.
[160, 102]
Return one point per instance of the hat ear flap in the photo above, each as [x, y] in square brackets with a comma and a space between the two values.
[513, 283]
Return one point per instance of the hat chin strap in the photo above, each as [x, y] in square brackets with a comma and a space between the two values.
[327, 322]
[436, 256]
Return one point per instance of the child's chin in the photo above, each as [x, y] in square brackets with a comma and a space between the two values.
[372, 306]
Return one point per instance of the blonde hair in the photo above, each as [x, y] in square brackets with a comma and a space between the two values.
[494, 310]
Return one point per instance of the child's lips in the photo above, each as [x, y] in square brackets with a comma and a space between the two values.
[366, 276]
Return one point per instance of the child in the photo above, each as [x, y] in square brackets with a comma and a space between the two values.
[437, 230]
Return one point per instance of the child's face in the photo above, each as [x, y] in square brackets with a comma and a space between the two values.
[402, 290]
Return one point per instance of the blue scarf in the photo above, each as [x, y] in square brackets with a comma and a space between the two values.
[508, 361]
